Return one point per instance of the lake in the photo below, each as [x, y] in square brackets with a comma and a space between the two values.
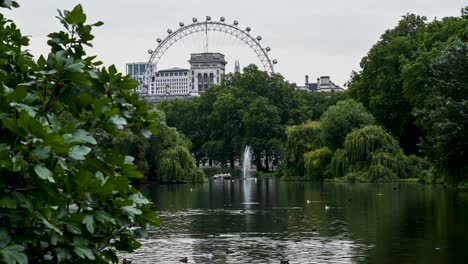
[268, 220]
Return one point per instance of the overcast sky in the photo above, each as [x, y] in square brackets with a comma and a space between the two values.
[313, 37]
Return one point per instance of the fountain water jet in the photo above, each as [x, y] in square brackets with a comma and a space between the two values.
[246, 162]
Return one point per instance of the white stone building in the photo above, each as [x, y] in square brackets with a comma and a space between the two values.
[170, 82]
[207, 69]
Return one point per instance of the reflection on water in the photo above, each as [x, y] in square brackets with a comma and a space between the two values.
[267, 220]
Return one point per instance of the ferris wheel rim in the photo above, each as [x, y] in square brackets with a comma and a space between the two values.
[214, 26]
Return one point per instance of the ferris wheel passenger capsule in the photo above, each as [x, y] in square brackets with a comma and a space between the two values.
[150, 51]
[169, 31]
[194, 20]
[247, 29]
[268, 49]
[158, 40]
[259, 38]
[236, 22]
[208, 18]
[222, 19]
[275, 61]
[181, 24]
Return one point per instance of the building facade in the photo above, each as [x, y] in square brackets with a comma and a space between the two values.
[174, 81]
[206, 69]
[323, 84]
[137, 70]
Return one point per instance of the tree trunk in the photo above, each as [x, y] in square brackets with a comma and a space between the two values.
[210, 162]
[267, 168]
[231, 162]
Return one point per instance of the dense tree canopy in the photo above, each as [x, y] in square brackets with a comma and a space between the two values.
[249, 108]
[60, 199]
[444, 114]
[341, 119]
[395, 71]
[413, 81]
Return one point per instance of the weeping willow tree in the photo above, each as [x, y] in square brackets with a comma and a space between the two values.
[300, 140]
[177, 165]
[316, 162]
[369, 154]
[169, 157]
[164, 157]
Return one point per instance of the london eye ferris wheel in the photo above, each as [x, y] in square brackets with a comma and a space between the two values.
[206, 34]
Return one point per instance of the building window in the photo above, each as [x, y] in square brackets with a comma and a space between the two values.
[200, 80]
[211, 78]
[129, 69]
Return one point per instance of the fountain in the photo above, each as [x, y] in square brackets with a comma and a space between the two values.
[246, 162]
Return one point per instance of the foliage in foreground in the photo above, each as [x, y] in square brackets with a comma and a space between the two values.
[60, 200]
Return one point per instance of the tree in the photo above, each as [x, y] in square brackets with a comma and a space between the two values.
[444, 114]
[341, 119]
[169, 157]
[394, 74]
[300, 140]
[60, 199]
[226, 124]
[316, 163]
[262, 127]
[369, 154]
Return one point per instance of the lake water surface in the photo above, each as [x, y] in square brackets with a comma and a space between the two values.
[268, 220]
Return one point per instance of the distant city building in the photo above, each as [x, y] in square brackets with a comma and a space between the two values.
[323, 84]
[174, 81]
[205, 69]
[236, 67]
[137, 71]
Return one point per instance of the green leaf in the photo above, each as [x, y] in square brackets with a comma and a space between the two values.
[84, 252]
[14, 254]
[83, 136]
[76, 16]
[18, 163]
[103, 217]
[75, 67]
[80, 136]
[51, 226]
[73, 229]
[8, 202]
[131, 211]
[118, 121]
[89, 222]
[44, 173]
[41, 152]
[129, 84]
[79, 152]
